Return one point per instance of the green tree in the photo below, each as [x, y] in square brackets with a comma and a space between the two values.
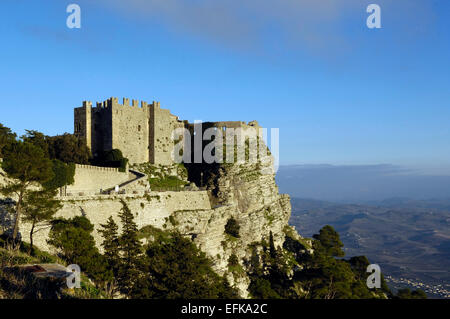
[38, 139]
[68, 149]
[110, 244]
[73, 239]
[111, 250]
[176, 269]
[39, 208]
[269, 278]
[113, 155]
[261, 288]
[329, 242]
[130, 248]
[63, 174]
[272, 250]
[111, 158]
[406, 293]
[7, 139]
[26, 165]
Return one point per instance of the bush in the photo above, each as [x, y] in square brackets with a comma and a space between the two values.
[64, 175]
[72, 237]
[112, 158]
[190, 275]
[167, 182]
[232, 227]
[262, 289]
[7, 139]
[406, 293]
[233, 260]
[68, 149]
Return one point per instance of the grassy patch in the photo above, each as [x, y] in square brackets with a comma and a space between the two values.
[167, 183]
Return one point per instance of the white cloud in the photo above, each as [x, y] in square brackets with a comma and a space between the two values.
[323, 26]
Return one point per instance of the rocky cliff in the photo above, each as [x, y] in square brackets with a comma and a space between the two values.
[248, 193]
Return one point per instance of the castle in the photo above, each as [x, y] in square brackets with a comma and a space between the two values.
[143, 133]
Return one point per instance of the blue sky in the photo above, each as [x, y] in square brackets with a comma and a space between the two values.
[339, 92]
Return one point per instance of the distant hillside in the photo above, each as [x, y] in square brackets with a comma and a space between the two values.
[408, 239]
[355, 183]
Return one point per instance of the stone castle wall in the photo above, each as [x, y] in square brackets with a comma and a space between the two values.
[143, 133]
[83, 123]
[162, 124]
[153, 209]
[92, 179]
[130, 130]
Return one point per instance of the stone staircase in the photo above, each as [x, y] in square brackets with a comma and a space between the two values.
[138, 183]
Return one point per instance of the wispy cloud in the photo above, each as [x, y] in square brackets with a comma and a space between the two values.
[312, 25]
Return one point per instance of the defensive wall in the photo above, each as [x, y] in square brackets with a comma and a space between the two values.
[152, 208]
[93, 179]
[148, 207]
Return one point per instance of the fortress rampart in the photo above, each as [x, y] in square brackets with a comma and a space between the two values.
[153, 208]
[93, 179]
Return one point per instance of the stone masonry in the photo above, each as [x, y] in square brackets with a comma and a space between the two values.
[143, 133]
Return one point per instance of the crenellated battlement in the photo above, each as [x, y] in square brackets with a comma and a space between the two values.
[141, 130]
[97, 168]
[87, 104]
[114, 101]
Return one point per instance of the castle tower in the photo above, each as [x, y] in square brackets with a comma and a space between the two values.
[83, 123]
[143, 134]
[161, 126]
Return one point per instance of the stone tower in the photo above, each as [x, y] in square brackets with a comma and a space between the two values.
[143, 133]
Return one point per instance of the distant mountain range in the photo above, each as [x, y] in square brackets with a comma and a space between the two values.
[360, 183]
[381, 211]
[409, 239]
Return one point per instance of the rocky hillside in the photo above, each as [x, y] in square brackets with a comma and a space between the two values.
[247, 193]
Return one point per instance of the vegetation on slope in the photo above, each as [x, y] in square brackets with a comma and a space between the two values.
[297, 272]
[18, 284]
[164, 177]
[168, 266]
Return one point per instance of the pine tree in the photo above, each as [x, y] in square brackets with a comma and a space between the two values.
[7, 139]
[76, 245]
[176, 269]
[329, 241]
[111, 244]
[26, 165]
[111, 252]
[272, 250]
[39, 207]
[130, 248]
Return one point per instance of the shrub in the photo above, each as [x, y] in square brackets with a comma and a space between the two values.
[63, 175]
[72, 237]
[232, 227]
[233, 260]
[112, 158]
[190, 275]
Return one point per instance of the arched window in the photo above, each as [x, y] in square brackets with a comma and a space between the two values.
[139, 128]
